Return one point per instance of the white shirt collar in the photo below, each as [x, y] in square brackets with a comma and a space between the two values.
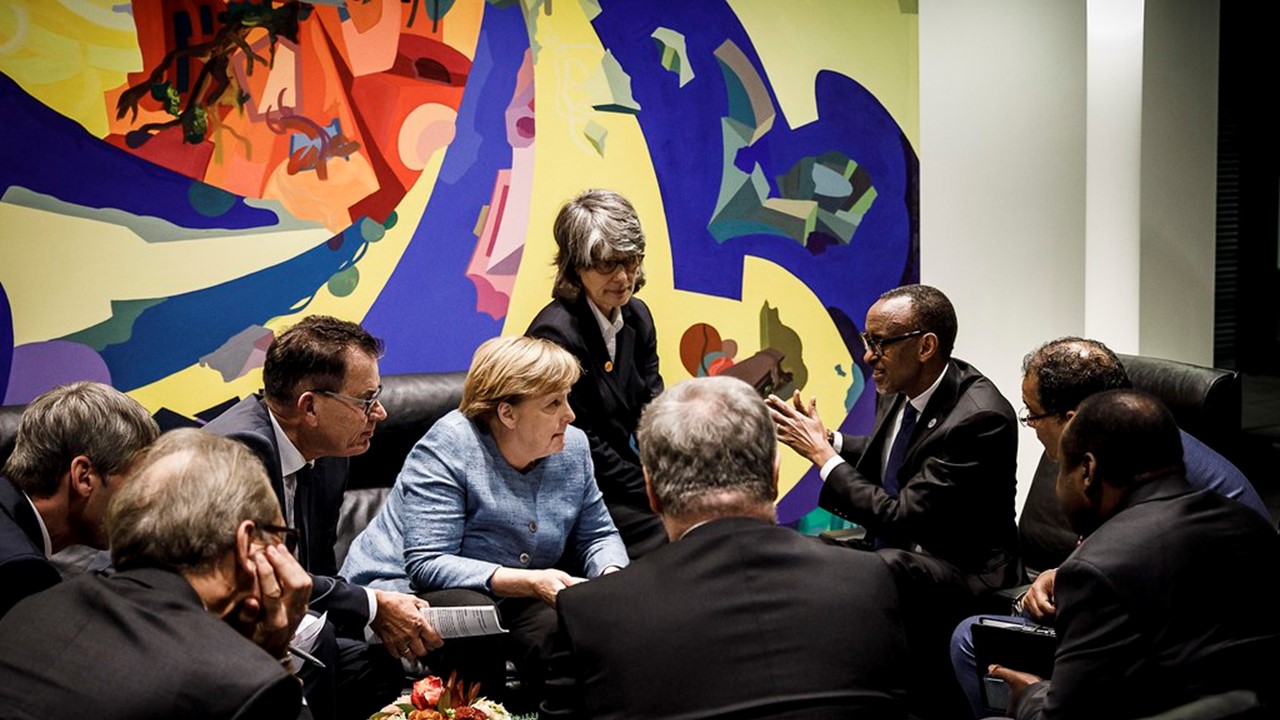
[291, 460]
[921, 400]
[44, 531]
[609, 329]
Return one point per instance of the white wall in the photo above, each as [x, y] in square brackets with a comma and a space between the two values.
[1002, 179]
[1179, 156]
[1051, 206]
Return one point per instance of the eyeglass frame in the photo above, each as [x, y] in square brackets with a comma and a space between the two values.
[877, 346]
[610, 267]
[367, 403]
[1029, 420]
[292, 537]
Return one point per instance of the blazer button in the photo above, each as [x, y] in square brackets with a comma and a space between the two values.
[524, 558]
[533, 526]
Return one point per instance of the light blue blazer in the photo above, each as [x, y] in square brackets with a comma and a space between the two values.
[459, 511]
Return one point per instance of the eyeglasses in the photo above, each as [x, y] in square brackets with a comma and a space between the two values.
[364, 403]
[288, 534]
[609, 267]
[877, 345]
[1027, 419]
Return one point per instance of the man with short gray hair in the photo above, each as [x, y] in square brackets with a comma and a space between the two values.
[735, 614]
[73, 446]
[196, 621]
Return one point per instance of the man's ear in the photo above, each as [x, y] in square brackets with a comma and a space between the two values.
[81, 476]
[305, 407]
[928, 346]
[244, 546]
[1089, 475]
[654, 505]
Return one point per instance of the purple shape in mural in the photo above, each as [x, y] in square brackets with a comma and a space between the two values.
[40, 366]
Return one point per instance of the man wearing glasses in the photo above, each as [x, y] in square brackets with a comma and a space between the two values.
[934, 484]
[197, 619]
[319, 407]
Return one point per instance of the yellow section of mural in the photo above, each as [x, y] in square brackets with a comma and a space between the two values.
[53, 296]
[875, 42]
[68, 54]
[567, 62]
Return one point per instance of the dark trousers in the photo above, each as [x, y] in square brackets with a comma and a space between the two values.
[529, 622]
[357, 680]
[642, 531]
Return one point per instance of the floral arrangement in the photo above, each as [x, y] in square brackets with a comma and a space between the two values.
[434, 699]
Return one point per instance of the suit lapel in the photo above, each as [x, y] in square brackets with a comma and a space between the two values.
[15, 504]
[302, 514]
[940, 404]
[870, 465]
[268, 431]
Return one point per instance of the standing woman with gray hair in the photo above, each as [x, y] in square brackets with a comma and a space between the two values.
[596, 316]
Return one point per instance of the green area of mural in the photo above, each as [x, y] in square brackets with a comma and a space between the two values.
[116, 329]
[343, 283]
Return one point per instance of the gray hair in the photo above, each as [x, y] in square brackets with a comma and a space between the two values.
[81, 418]
[709, 446]
[183, 504]
[596, 226]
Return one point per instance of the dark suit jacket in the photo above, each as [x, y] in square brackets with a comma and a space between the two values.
[24, 569]
[957, 482]
[317, 505]
[1154, 609]
[740, 618]
[607, 404]
[135, 645]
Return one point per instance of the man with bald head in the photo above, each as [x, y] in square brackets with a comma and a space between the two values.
[1148, 606]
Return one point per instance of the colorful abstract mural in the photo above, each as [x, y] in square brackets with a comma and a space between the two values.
[181, 179]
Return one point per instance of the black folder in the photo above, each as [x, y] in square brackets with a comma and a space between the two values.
[1029, 648]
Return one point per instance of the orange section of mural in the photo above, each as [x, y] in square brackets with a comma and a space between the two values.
[318, 107]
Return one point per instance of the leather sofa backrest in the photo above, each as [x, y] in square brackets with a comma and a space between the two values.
[9, 417]
[414, 402]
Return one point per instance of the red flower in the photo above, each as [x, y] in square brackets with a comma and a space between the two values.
[426, 692]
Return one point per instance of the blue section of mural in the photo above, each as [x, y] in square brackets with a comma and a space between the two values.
[684, 130]
[426, 313]
[53, 155]
[165, 339]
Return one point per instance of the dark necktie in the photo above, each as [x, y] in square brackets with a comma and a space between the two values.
[899, 450]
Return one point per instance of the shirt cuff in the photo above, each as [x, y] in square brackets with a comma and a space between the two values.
[837, 441]
[373, 607]
[829, 465]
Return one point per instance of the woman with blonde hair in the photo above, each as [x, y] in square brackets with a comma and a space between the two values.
[488, 503]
